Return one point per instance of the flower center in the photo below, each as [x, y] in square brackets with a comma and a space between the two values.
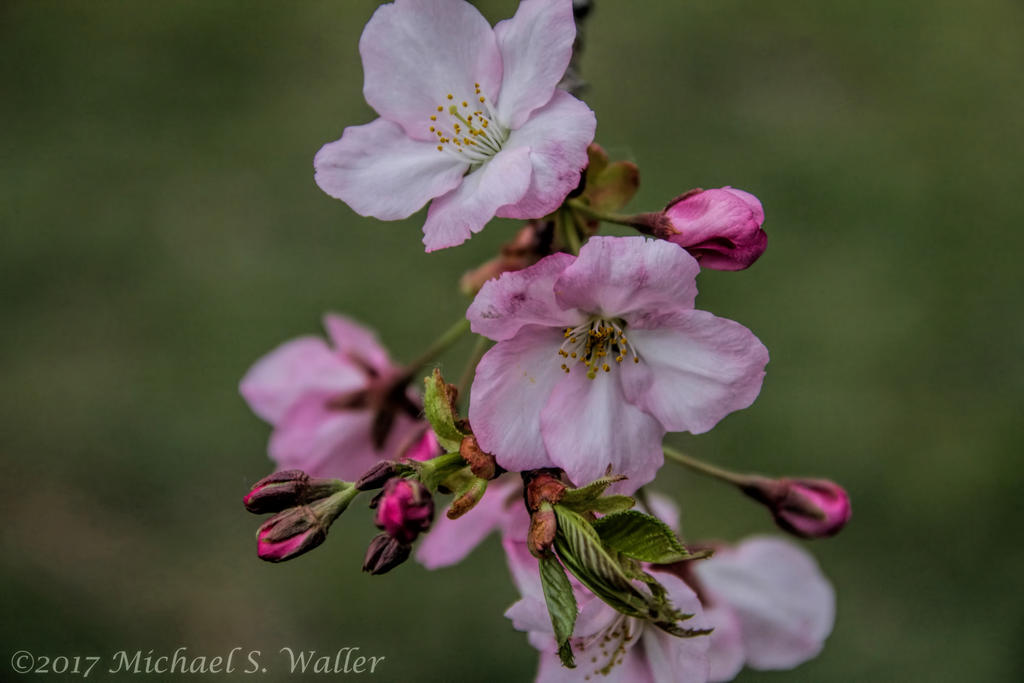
[613, 642]
[595, 343]
[468, 130]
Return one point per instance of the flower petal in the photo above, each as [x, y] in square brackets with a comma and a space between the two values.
[726, 651]
[522, 297]
[786, 607]
[536, 45]
[557, 136]
[466, 209]
[695, 371]
[277, 380]
[512, 384]
[451, 540]
[635, 278]
[322, 441]
[587, 426]
[415, 52]
[379, 172]
[354, 340]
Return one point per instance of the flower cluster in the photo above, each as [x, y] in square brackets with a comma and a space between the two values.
[590, 349]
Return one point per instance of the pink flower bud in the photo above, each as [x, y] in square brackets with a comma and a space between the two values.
[720, 228]
[404, 509]
[289, 534]
[810, 508]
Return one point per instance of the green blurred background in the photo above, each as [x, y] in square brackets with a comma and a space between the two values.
[160, 230]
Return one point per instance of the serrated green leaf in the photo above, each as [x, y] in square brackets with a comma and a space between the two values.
[580, 549]
[561, 606]
[642, 537]
[586, 494]
[438, 409]
[608, 505]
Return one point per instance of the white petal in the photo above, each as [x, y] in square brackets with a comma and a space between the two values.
[379, 172]
[696, 371]
[512, 384]
[588, 426]
[536, 45]
[415, 52]
[467, 209]
[785, 605]
[557, 135]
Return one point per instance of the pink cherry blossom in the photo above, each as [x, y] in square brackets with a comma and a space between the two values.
[324, 403]
[608, 645]
[470, 117]
[767, 600]
[721, 228]
[769, 603]
[599, 355]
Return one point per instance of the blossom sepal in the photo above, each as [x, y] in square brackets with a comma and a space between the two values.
[381, 473]
[609, 186]
[439, 406]
[288, 488]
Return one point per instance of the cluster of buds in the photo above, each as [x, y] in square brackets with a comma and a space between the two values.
[403, 510]
[305, 509]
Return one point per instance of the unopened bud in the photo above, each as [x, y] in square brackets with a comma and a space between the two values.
[299, 529]
[288, 488]
[721, 228]
[384, 554]
[378, 475]
[543, 526]
[289, 534]
[810, 508]
[404, 509]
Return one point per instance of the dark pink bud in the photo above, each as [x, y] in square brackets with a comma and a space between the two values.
[288, 488]
[378, 475]
[299, 529]
[289, 534]
[404, 509]
[384, 554]
[720, 228]
[810, 508]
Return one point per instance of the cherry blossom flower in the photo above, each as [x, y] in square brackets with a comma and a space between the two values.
[608, 645]
[470, 117]
[335, 411]
[599, 355]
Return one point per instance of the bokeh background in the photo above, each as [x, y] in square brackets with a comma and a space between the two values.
[160, 230]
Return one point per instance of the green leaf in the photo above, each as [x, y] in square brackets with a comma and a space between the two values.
[437, 404]
[614, 187]
[580, 549]
[589, 498]
[561, 606]
[610, 576]
[643, 537]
